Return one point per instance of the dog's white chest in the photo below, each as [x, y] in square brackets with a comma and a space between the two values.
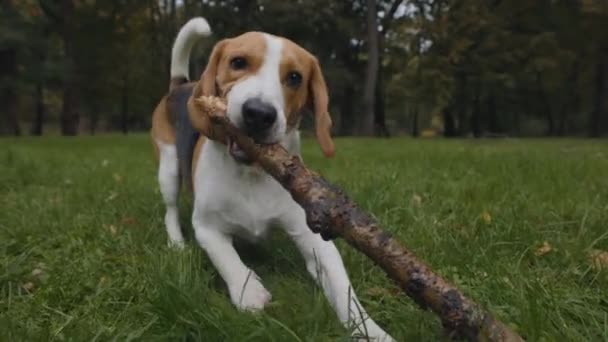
[251, 208]
[246, 203]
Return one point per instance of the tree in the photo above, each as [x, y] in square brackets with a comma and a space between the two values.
[371, 75]
[8, 94]
[65, 22]
[596, 18]
[9, 42]
[379, 108]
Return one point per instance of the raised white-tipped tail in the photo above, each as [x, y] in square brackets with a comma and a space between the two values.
[193, 30]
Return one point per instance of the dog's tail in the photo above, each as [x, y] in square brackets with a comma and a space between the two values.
[188, 35]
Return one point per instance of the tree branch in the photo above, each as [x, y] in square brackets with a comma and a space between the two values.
[332, 214]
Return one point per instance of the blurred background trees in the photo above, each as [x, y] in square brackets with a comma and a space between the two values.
[420, 67]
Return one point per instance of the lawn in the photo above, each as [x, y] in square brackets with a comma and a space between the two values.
[83, 252]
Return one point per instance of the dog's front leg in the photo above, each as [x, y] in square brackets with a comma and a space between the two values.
[325, 264]
[246, 290]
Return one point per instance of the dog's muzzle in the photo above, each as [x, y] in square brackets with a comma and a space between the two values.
[258, 119]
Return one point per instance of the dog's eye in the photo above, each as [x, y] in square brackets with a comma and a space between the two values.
[238, 63]
[294, 79]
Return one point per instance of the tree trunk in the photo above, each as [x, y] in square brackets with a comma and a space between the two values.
[546, 105]
[41, 54]
[449, 123]
[379, 112]
[461, 127]
[380, 128]
[124, 108]
[492, 113]
[8, 93]
[38, 122]
[173, 14]
[517, 122]
[570, 103]
[380, 105]
[347, 110]
[460, 104]
[94, 117]
[367, 122]
[415, 129]
[69, 114]
[600, 107]
[476, 114]
[550, 121]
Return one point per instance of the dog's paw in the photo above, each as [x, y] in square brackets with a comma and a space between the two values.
[251, 295]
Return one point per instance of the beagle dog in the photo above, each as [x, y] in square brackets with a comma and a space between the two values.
[267, 81]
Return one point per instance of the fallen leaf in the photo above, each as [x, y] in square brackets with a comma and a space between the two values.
[599, 259]
[417, 200]
[486, 217]
[111, 228]
[117, 178]
[29, 286]
[112, 196]
[36, 272]
[544, 249]
[128, 221]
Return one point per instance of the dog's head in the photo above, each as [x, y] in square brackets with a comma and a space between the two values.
[267, 82]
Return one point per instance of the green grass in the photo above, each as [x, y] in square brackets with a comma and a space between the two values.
[81, 229]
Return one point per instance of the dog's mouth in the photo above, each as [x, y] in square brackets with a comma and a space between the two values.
[238, 154]
[235, 151]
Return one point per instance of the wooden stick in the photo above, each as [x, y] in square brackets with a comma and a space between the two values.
[332, 214]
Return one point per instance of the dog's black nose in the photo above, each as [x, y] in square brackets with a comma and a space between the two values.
[258, 115]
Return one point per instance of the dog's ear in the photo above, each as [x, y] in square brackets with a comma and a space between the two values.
[318, 99]
[209, 78]
[206, 87]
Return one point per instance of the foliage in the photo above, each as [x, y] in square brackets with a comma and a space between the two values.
[481, 67]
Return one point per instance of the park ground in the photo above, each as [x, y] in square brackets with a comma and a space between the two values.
[518, 225]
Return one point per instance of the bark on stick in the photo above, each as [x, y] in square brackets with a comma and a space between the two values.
[332, 214]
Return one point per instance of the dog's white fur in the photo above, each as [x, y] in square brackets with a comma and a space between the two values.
[184, 42]
[233, 199]
[266, 85]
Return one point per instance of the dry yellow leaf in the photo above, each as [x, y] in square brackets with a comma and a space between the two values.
[599, 259]
[486, 217]
[29, 286]
[417, 200]
[128, 221]
[543, 249]
[111, 228]
[37, 273]
[112, 196]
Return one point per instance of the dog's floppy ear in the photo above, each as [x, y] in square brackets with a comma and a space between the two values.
[206, 86]
[208, 79]
[319, 101]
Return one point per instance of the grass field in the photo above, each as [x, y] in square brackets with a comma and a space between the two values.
[83, 251]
